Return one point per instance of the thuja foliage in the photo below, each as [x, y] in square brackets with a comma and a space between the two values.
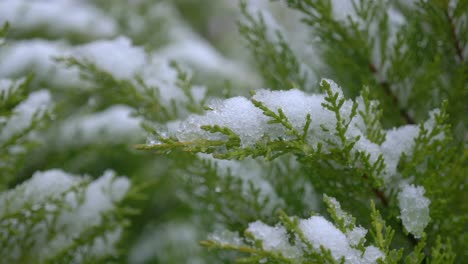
[290, 131]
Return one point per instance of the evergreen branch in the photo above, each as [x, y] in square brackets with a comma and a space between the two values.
[442, 253]
[233, 140]
[185, 82]
[371, 114]
[258, 254]
[132, 92]
[56, 217]
[383, 236]
[299, 235]
[204, 146]
[14, 95]
[279, 66]
[333, 102]
[243, 159]
[280, 118]
[291, 224]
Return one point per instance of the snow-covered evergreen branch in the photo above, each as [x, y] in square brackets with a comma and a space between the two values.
[350, 148]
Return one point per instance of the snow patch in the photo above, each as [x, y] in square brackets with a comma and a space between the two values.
[114, 124]
[35, 106]
[414, 209]
[57, 17]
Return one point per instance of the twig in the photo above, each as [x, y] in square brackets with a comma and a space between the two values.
[386, 87]
[456, 40]
[381, 196]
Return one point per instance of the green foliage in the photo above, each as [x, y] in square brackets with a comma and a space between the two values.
[281, 69]
[248, 201]
[14, 147]
[40, 228]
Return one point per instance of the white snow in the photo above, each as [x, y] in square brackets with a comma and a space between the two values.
[57, 17]
[342, 9]
[100, 196]
[296, 112]
[397, 141]
[236, 113]
[274, 239]
[226, 237]
[8, 86]
[200, 54]
[414, 209]
[256, 9]
[356, 235]
[251, 172]
[241, 116]
[124, 61]
[118, 56]
[372, 254]
[35, 106]
[114, 124]
[160, 75]
[319, 232]
[38, 188]
[248, 121]
[18, 58]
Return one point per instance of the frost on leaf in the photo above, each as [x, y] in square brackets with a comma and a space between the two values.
[414, 209]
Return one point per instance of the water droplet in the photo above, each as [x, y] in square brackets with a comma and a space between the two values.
[151, 140]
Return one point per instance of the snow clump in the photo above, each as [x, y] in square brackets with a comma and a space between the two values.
[274, 239]
[114, 124]
[35, 106]
[414, 209]
[241, 116]
[318, 232]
